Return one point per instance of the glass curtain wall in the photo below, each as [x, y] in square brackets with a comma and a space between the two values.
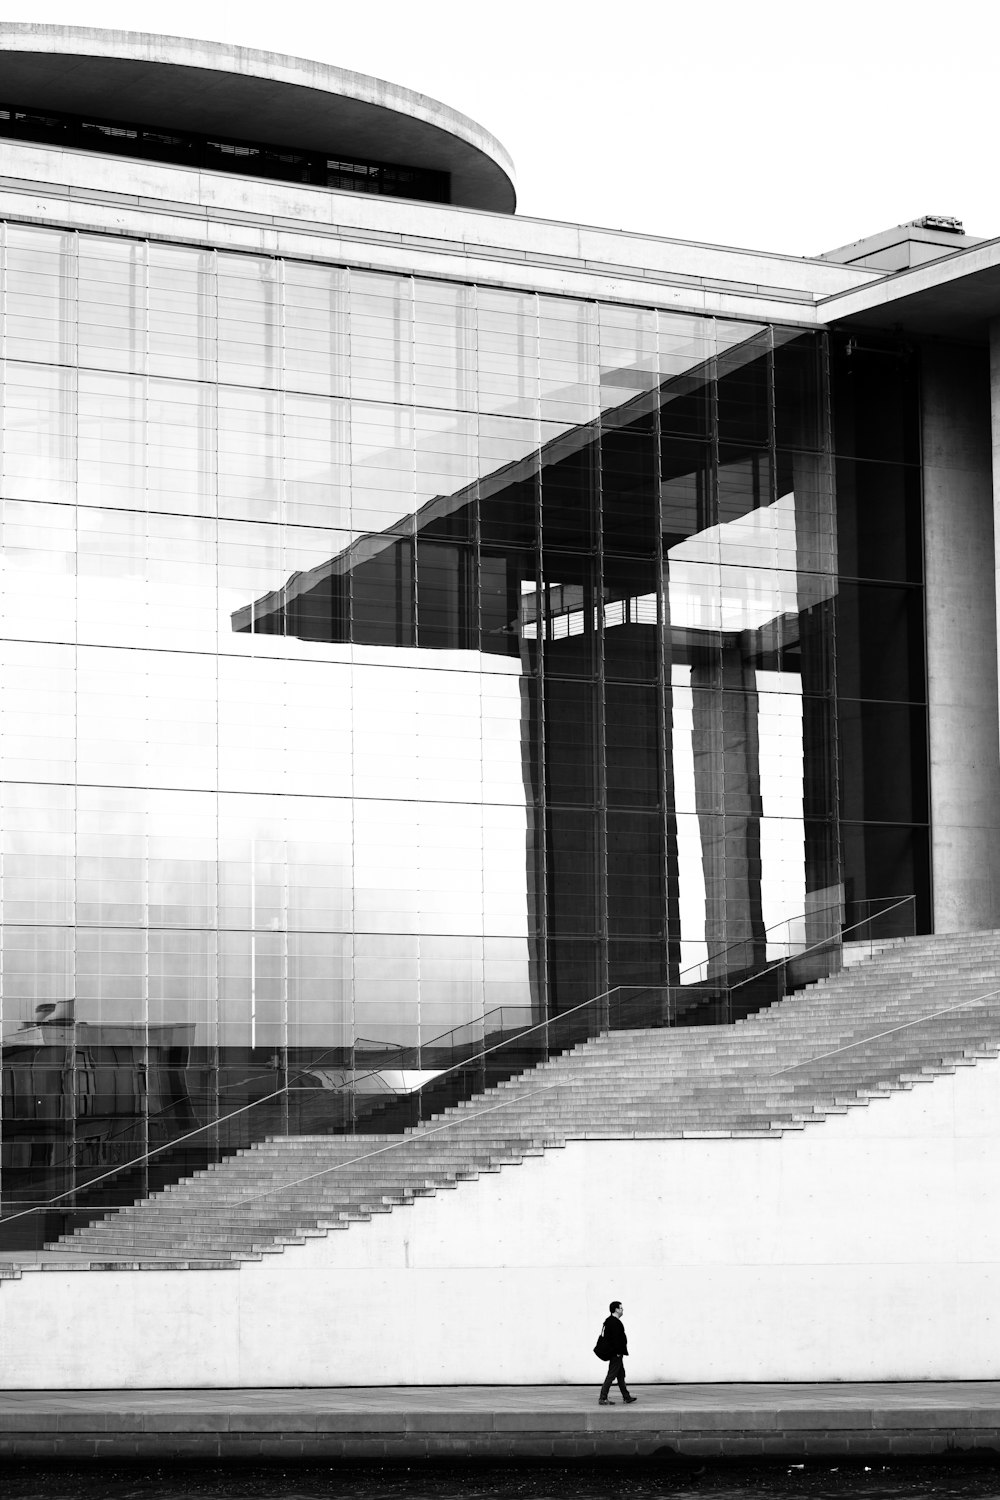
[383, 661]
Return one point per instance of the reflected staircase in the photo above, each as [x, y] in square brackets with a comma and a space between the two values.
[923, 1007]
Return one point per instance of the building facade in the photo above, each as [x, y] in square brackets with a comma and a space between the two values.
[418, 621]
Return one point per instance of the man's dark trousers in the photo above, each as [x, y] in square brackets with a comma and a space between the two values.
[616, 1371]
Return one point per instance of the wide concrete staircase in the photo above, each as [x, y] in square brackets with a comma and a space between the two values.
[914, 1011]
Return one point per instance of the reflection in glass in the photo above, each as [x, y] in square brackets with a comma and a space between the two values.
[387, 664]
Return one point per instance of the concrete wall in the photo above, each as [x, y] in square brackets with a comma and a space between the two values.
[961, 639]
[864, 1248]
[995, 446]
[138, 196]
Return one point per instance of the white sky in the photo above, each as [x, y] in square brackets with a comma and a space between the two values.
[785, 125]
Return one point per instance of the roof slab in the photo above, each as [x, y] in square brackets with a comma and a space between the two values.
[207, 87]
[953, 298]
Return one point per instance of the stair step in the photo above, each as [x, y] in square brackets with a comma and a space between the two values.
[909, 1014]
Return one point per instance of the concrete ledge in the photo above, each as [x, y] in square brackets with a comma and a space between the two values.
[727, 1421]
[212, 87]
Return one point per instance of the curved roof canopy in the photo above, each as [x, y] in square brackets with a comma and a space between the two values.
[208, 87]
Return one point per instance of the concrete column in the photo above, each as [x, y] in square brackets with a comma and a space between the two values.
[728, 802]
[961, 594]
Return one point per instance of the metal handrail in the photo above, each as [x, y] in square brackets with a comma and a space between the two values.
[475, 1057]
[436, 1041]
[371, 1072]
[356, 1078]
[712, 958]
[183, 1099]
[822, 943]
[889, 1031]
[799, 917]
[213, 1124]
[447, 1124]
[337, 1166]
[283, 1187]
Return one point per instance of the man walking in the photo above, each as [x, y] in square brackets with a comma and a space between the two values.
[614, 1333]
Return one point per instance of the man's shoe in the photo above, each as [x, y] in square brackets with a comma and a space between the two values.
[603, 1401]
[630, 1399]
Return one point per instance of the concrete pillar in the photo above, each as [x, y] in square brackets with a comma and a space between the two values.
[961, 612]
[728, 802]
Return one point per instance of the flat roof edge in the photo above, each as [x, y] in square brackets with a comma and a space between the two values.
[323, 81]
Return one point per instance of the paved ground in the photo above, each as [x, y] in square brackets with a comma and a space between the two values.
[512, 1421]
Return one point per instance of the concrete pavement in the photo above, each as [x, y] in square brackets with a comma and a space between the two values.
[925, 1418]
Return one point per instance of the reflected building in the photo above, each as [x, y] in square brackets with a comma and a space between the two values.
[644, 583]
[418, 621]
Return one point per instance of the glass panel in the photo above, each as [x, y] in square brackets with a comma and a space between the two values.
[876, 407]
[636, 868]
[315, 329]
[632, 745]
[894, 617]
[571, 750]
[879, 520]
[628, 352]
[631, 618]
[112, 304]
[883, 762]
[182, 320]
[798, 391]
[885, 862]
[744, 388]
[629, 491]
[564, 615]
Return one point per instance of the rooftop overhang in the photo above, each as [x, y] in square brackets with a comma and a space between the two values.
[206, 87]
[956, 297]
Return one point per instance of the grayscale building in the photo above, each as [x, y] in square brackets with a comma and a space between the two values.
[419, 621]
